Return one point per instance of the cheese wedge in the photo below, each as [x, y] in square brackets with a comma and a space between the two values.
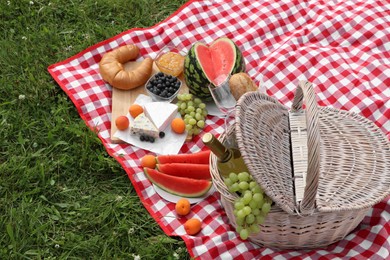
[143, 126]
[160, 113]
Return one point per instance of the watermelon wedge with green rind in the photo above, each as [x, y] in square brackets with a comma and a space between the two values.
[205, 64]
[180, 186]
[188, 170]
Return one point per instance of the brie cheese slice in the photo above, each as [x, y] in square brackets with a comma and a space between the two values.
[160, 113]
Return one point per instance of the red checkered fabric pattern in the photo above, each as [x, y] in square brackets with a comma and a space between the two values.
[342, 47]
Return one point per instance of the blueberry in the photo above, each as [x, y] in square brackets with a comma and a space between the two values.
[151, 139]
[161, 134]
[142, 138]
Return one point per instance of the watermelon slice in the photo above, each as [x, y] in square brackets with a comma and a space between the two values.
[202, 157]
[205, 64]
[188, 170]
[180, 186]
[217, 60]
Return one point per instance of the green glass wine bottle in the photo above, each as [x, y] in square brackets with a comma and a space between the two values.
[229, 159]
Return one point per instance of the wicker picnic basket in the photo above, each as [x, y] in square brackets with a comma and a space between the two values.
[323, 168]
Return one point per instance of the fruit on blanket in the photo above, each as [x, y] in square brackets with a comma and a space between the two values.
[240, 83]
[180, 186]
[183, 207]
[192, 226]
[201, 157]
[188, 170]
[205, 64]
[178, 125]
[148, 161]
[122, 122]
[135, 110]
[112, 70]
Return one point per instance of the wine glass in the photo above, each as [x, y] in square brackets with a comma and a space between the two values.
[223, 98]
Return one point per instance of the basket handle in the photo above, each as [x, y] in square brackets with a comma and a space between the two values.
[305, 91]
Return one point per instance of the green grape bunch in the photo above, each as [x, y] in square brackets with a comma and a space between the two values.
[193, 111]
[252, 205]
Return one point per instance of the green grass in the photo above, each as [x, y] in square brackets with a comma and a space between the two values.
[61, 194]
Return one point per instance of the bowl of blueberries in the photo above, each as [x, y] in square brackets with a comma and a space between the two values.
[163, 87]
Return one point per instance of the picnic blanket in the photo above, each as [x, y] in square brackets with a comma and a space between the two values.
[342, 47]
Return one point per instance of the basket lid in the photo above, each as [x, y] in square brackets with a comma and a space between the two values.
[346, 162]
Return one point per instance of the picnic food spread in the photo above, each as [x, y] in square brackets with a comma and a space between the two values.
[264, 128]
[189, 175]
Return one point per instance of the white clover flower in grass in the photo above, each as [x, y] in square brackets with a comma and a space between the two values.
[131, 231]
[136, 257]
[175, 255]
[118, 198]
[57, 246]
[22, 97]
[31, 2]
[8, 2]
[24, 38]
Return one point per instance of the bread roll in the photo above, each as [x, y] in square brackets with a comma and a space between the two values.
[241, 83]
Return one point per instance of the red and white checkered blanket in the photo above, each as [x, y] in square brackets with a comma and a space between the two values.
[342, 47]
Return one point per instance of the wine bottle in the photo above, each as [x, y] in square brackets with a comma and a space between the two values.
[229, 159]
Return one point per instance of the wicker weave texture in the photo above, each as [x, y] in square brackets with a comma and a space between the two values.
[284, 231]
[343, 158]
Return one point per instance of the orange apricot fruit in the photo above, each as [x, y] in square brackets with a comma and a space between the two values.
[149, 161]
[122, 122]
[192, 226]
[183, 207]
[178, 125]
[135, 110]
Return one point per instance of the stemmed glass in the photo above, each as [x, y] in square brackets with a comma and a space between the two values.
[223, 99]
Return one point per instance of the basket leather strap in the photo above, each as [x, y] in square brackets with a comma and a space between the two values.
[305, 91]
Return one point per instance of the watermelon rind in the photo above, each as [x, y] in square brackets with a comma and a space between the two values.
[194, 76]
[180, 182]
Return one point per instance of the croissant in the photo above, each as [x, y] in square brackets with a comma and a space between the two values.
[112, 70]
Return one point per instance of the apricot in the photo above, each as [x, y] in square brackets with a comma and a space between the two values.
[192, 226]
[183, 207]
